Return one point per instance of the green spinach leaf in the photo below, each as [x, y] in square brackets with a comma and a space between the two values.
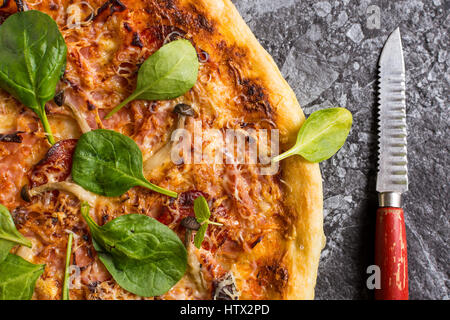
[65, 291]
[202, 214]
[321, 136]
[9, 236]
[32, 57]
[167, 74]
[18, 278]
[200, 235]
[109, 163]
[144, 256]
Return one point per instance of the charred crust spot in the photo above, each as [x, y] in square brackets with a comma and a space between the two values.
[169, 4]
[117, 6]
[200, 21]
[190, 16]
[256, 242]
[274, 276]
[91, 106]
[255, 98]
[127, 27]
[204, 23]
[113, 5]
[11, 137]
[136, 41]
[256, 93]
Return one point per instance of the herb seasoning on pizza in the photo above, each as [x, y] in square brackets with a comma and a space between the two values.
[152, 149]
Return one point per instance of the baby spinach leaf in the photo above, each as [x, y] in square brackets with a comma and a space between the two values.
[109, 163]
[200, 235]
[167, 74]
[201, 209]
[65, 290]
[18, 278]
[144, 256]
[321, 136]
[9, 236]
[202, 214]
[32, 57]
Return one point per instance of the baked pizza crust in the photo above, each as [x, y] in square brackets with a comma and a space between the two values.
[304, 197]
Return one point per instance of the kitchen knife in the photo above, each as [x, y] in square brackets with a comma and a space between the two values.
[392, 178]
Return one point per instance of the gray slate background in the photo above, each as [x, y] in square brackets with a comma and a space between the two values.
[329, 56]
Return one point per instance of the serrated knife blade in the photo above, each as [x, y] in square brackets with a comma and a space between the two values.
[392, 179]
[392, 161]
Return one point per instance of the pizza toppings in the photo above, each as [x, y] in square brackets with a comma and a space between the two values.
[202, 214]
[184, 110]
[69, 187]
[190, 223]
[52, 171]
[71, 102]
[176, 210]
[56, 165]
[151, 256]
[17, 275]
[59, 98]
[225, 288]
[43, 75]
[168, 80]
[9, 236]
[109, 163]
[66, 292]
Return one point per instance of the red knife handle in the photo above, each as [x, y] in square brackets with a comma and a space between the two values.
[391, 254]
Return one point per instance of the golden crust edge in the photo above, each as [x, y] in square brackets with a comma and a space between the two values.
[305, 199]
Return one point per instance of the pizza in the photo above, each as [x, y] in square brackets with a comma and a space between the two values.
[268, 231]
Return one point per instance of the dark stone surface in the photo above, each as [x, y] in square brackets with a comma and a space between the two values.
[328, 54]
